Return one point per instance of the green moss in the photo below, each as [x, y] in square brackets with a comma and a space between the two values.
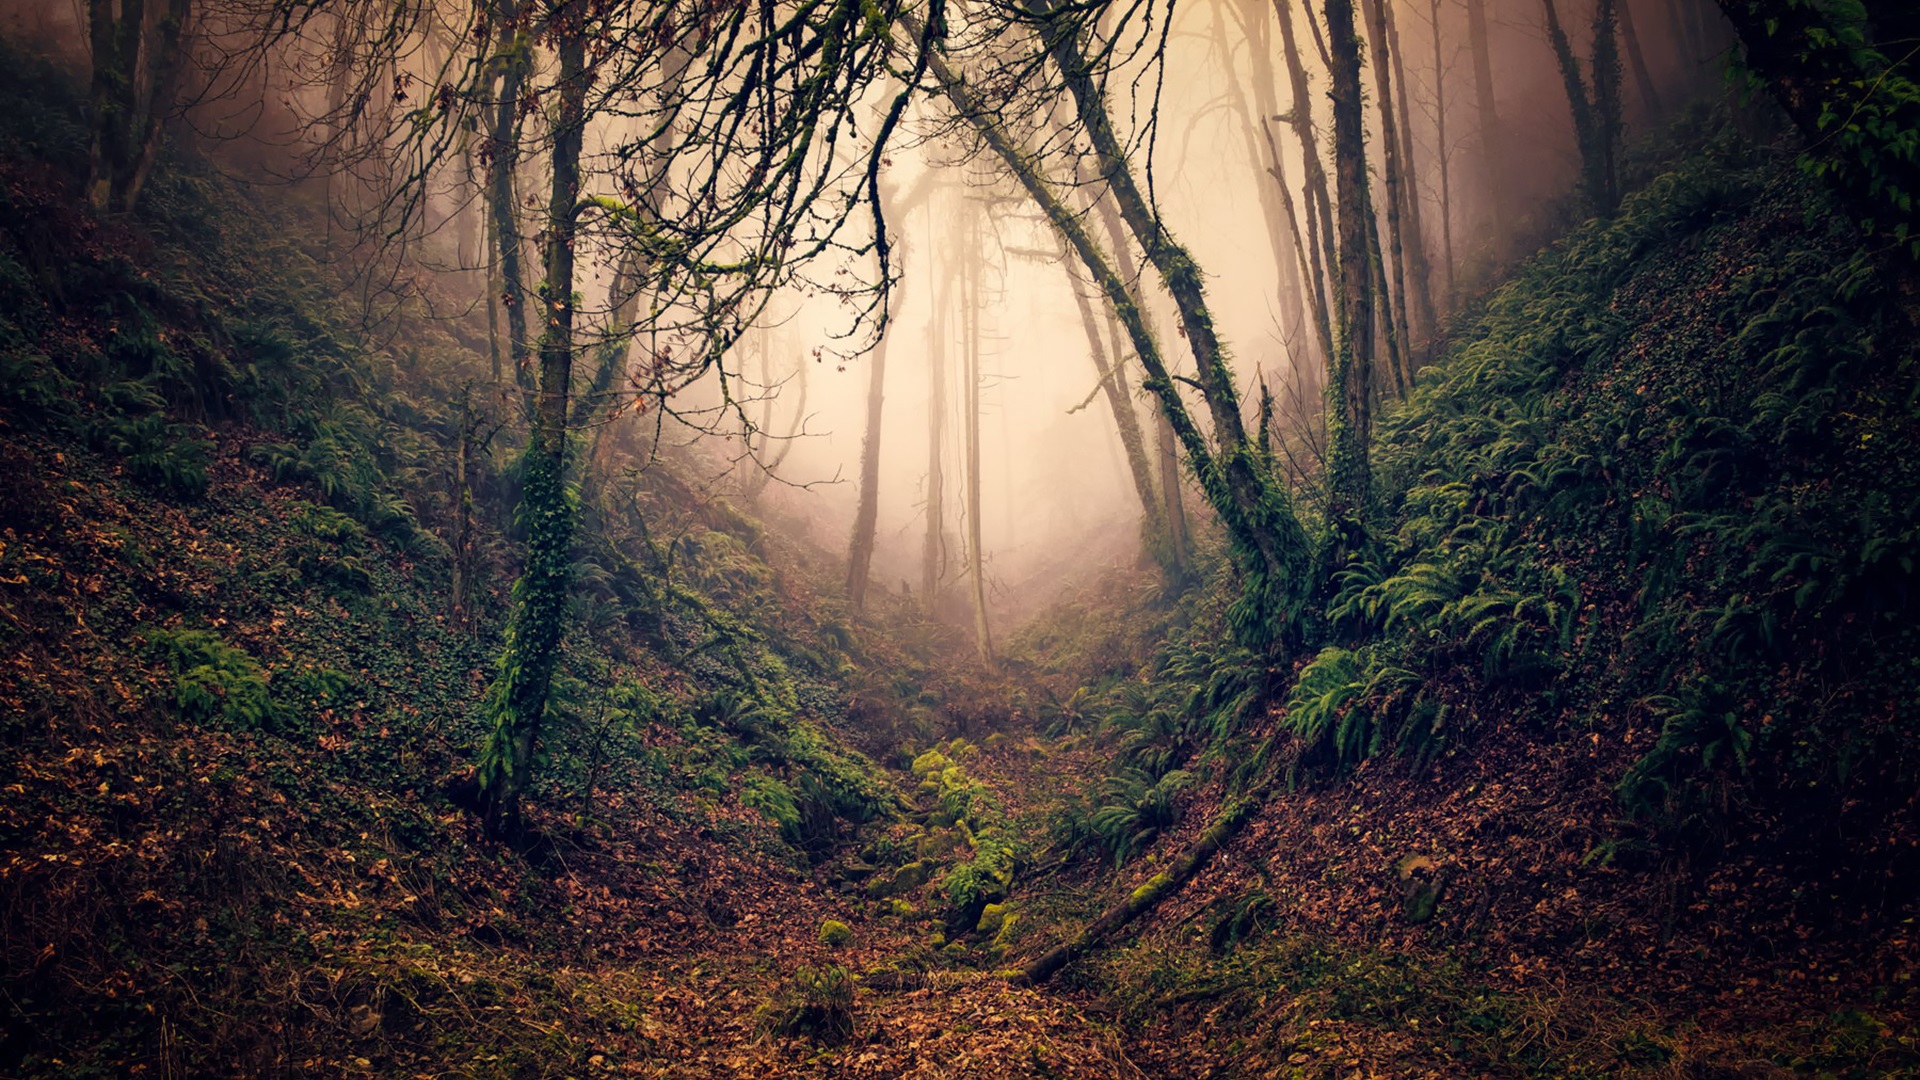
[836, 933]
[992, 917]
[931, 764]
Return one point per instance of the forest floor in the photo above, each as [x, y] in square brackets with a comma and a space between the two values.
[235, 728]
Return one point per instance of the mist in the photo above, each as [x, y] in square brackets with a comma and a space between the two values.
[775, 405]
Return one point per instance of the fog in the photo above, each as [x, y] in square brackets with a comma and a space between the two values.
[1056, 495]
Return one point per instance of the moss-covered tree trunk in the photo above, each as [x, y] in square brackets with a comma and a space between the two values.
[538, 619]
[512, 58]
[1349, 376]
[1268, 544]
[1596, 118]
[1228, 822]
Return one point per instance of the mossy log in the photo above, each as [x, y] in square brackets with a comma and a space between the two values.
[1231, 819]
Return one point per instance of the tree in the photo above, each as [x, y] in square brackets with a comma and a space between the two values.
[1349, 375]
[1849, 83]
[972, 305]
[1395, 170]
[547, 509]
[1319, 203]
[138, 60]
[1596, 112]
[866, 515]
[1268, 544]
[1493, 151]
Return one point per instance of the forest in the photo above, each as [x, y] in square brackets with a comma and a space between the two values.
[882, 539]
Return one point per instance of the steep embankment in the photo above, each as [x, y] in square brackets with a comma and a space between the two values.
[1609, 765]
[253, 565]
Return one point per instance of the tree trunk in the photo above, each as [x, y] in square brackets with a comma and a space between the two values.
[1263, 533]
[933, 550]
[1232, 817]
[1392, 355]
[1398, 326]
[462, 585]
[1276, 198]
[867, 516]
[1445, 154]
[1153, 524]
[971, 304]
[538, 619]
[1349, 377]
[1596, 118]
[135, 72]
[1173, 508]
[1319, 203]
[1419, 267]
[1650, 105]
[1493, 150]
[501, 206]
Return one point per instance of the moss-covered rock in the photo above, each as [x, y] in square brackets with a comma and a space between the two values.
[992, 917]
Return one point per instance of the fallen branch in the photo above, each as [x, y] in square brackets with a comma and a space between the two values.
[1232, 817]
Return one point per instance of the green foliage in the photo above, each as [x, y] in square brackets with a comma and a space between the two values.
[159, 452]
[817, 1004]
[1856, 99]
[213, 681]
[1135, 807]
[1671, 456]
[1704, 748]
[983, 878]
[774, 801]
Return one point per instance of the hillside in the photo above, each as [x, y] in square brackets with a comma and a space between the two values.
[1601, 762]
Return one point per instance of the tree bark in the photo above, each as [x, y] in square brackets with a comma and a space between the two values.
[1253, 505]
[971, 305]
[1153, 525]
[135, 71]
[866, 516]
[1596, 118]
[1419, 266]
[1178, 559]
[1319, 203]
[1276, 196]
[538, 619]
[1642, 77]
[1349, 377]
[1444, 155]
[933, 550]
[1393, 169]
[504, 145]
[1493, 150]
[1231, 819]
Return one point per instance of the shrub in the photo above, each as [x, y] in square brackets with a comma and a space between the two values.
[214, 681]
[817, 1003]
